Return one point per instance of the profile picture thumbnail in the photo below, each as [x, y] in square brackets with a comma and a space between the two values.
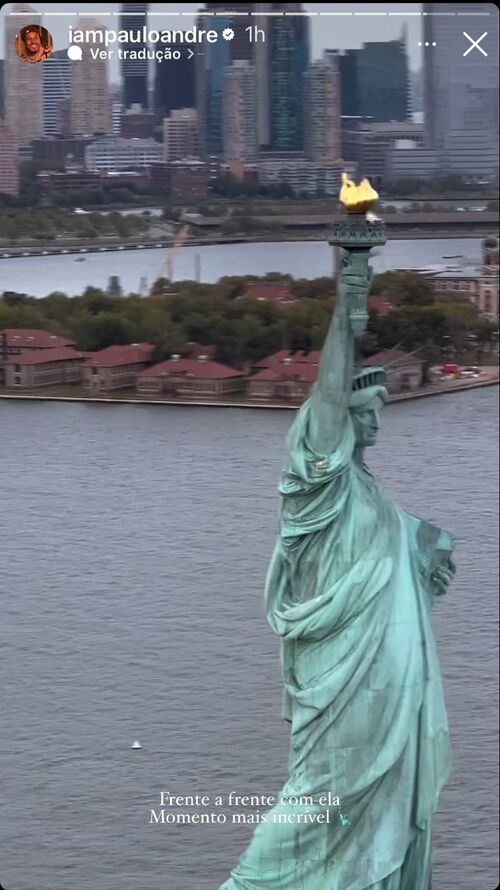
[33, 44]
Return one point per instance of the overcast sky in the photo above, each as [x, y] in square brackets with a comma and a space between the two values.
[337, 32]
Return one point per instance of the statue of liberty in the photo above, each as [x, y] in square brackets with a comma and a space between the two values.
[349, 590]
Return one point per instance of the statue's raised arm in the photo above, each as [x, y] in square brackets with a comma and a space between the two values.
[343, 388]
[332, 393]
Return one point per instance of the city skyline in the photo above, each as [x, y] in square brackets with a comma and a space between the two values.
[266, 113]
[461, 97]
[335, 32]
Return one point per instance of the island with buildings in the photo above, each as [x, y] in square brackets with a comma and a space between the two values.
[246, 141]
[248, 340]
[43, 365]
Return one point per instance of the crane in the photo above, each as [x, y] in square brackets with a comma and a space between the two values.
[167, 268]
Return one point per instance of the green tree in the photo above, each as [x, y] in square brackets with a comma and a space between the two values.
[57, 308]
[486, 334]
[171, 342]
[106, 329]
[94, 301]
[21, 315]
[316, 288]
[232, 286]
[403, 288]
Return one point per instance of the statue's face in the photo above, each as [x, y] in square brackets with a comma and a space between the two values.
[366, 424]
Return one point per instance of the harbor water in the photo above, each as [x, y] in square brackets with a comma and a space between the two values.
[135, 542]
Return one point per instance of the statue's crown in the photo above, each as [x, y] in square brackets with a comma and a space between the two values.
[368, 377]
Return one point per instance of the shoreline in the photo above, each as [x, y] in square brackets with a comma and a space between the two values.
[393, 399]
[15, 252]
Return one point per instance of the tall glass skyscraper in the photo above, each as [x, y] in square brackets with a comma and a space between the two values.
[56, 92]
[174, 83]
[134, 71]
[209, 85]
[288, 55]
[241, 47]
[210, 68]
[375, 81]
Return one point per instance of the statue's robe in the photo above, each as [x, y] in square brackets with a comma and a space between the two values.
[349, 592]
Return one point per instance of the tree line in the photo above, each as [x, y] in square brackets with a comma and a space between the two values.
[47, 223]
[244, 330]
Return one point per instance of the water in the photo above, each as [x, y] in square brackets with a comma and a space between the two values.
[135, 542]
[40, 276]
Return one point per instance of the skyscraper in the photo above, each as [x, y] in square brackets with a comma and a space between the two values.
[241, 47]
[116, 117]
[134, 72]
[261, 62]
[180, 135]
[23, 83]
[461, 92]
[9, 175]
[288, 53]
[322, 112]
[374, 81]
[240, 113]
[90, 101]
[2, 106]
[209, 71]
[209, 79]
[174, 83]
[56, 91]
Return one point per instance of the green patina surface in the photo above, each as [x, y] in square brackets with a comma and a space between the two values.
[349, 590]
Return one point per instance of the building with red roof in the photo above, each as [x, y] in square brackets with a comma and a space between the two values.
[270, 293]
[286, 376]
[288, 380]
[116, 367]
[62, 365]
[14, 341]
[311, 358]
[192, 378]
[404, 370]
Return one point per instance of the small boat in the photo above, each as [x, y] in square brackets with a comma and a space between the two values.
[453, 256]
[80, 259]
